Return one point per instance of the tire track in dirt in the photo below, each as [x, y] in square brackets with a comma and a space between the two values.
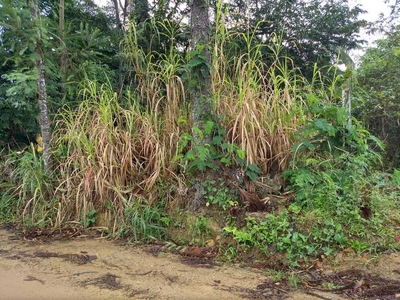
[90, 268]
[100, 269]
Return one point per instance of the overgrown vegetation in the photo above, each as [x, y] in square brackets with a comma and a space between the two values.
[286, 171]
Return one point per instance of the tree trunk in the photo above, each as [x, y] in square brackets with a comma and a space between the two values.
[202, 109]
[44, 119]
[63, 61]
[201, 94]
[117, 13]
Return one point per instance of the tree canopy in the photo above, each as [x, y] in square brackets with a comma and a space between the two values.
[310, 31]
[379, 103]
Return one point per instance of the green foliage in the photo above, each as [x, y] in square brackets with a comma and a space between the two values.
[230, 253]
[378, 92]
[201, 231]
[9, 210]
[396, 177]
[197, 69]
[143, 223]
[202, 225]
[90, 218]
[83, 48]
[273, 234]
[116, 140]
[313, 233]
[18, 87]
[332, 173]
[217, 193]
[331, 161]
[201, 157]
[18, 108]
[28, 195]
[309, 29]
[328, 131]
[293, 280]
[186, 228]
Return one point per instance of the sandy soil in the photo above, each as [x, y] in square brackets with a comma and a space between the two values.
[90, 268]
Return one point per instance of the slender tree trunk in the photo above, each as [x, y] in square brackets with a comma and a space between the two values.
[201, 95]
[44, 119]
[202, 109]
[117, 13]
[346, 103]
[63, 61]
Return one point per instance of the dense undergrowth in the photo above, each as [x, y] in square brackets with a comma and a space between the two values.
[124, 162]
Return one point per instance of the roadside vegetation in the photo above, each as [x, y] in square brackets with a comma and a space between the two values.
[289, 172]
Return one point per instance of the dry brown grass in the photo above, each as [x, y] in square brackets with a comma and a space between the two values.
[115, 154]
[261, 105]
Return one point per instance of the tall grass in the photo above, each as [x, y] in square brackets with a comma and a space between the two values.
[113, 154]
[262, 104]
[27, 196]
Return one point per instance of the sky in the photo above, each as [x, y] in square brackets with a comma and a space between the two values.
[373, 8]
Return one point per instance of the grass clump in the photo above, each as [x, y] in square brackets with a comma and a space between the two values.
[27, 195]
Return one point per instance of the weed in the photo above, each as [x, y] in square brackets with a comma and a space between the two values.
[359, 246]
[218, 152]
[396, 178]
[89, 219]
[293, 280]
[115, 147]
[8, 206]
[217, 193]
[230, 254]
[330, 286]
[28, 195]
[144, 223]
[277, 276]
[201, 226]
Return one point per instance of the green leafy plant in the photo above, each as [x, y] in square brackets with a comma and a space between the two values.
[331, 160]
[90, 218]
[217, 193]
[199, 158]
[202, 225]
[197, 68]
[396, 177]
[294, 280]
[359, 246]
[8, 206]
[201, 230]
[288, 234]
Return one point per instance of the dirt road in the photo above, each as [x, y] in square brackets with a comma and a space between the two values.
[87, 268]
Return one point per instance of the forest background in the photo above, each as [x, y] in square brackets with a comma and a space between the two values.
[202, 121]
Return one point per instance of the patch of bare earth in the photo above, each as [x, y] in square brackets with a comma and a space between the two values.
[74, 266]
